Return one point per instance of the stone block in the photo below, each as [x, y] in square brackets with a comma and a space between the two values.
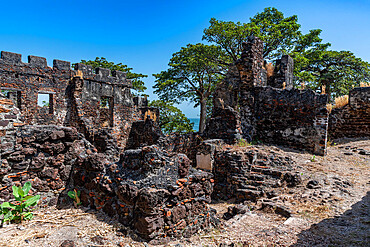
[204, 162]
[10, 57]
[39, 62]
[61, 65]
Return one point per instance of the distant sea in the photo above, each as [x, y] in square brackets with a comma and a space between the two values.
[196, 123]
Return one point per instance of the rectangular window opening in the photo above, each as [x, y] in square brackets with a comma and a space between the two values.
[45, 101]
[13, 94]
[106, 111]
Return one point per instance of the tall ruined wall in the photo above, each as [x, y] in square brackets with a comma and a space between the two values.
[101, 106]
[97, 102]
[293, 118]
[353, 120]
[250, 64]
[250, 67]
[26, 80]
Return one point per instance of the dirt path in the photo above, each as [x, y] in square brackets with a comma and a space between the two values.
[330, 208]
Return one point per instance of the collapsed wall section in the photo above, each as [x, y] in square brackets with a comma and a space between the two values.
[158, 195]
[352, 120]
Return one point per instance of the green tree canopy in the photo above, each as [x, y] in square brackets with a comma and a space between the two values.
[171, 118]
[281, 35]
[192, 76]
[336, 71]
[136, 78]
[313, 62]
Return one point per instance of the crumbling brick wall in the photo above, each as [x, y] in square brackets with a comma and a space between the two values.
[27, 80]
[353, 120]
[293, 118]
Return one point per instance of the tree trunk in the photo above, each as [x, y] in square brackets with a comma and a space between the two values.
[203, 115]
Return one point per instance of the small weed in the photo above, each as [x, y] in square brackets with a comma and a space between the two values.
[242, 143]
[331, 143]
[313, 159]
[20, 209]
[75, 196]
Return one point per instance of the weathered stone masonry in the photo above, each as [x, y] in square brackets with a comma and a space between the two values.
[154, 191]
[98, 103]
[127, 168]
[26, 80]
[353, 120]
[281, 115]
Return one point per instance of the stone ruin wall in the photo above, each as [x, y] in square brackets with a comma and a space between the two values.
[352, 120]
[43, 155]
[26, 80]
[293, 118]
[155, 192]
[274, 115]
[75, 97]
[252, 173]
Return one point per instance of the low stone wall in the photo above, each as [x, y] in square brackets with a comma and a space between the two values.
[10, 119]
[187, 144]
[251, 173]
[157, 195]
[353, 120]
[43, 155]
[293, 118]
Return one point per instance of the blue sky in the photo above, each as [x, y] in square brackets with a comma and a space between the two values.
[144, 34]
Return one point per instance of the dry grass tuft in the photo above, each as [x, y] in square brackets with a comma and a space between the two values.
[270, 70]
[341, 101]
[329, 107]
[364, 84]
[323, 89]
[303, 85]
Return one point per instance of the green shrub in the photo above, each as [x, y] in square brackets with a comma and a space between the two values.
[75, 196]
[21, 208]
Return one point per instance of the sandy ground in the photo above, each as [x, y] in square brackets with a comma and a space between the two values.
[333, 212]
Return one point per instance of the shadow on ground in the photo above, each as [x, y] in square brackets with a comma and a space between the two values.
[352, 228]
